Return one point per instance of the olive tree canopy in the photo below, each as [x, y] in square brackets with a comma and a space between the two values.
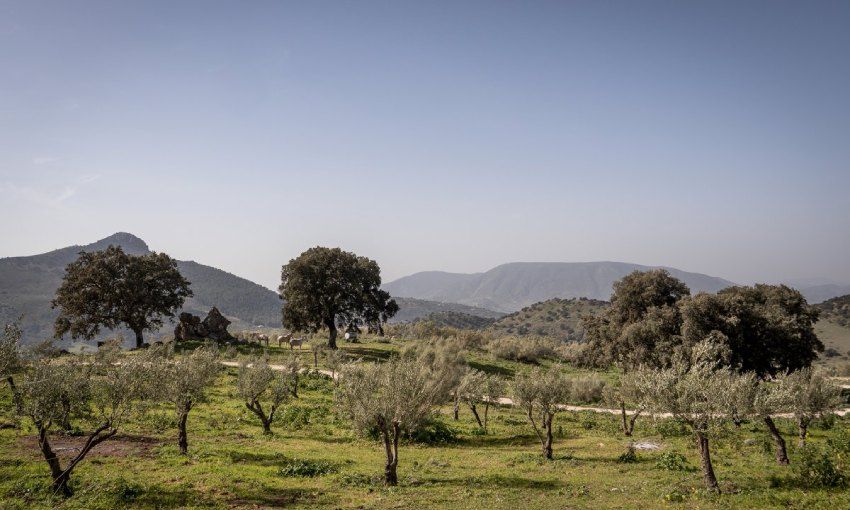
[109, 288]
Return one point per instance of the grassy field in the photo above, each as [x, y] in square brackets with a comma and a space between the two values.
[313, 460]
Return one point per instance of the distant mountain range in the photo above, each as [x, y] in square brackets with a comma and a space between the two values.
[28, 284]
[510, 287]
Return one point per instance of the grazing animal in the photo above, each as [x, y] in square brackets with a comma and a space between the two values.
[295, 341]
[263, 338]
[283, 338]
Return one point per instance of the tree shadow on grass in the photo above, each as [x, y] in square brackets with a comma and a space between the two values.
[488, 368]
[497, 441]
[260, 459]
[271, 497]
[498, 481]
[368, 353]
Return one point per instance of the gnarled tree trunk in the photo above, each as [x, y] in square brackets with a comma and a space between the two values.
[803, 424]
[182, 436]
[781, 451]
[391, 448]
[547, 445]
[474, 409]
[705, 460]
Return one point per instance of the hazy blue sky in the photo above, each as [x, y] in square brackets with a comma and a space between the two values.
[458, 135]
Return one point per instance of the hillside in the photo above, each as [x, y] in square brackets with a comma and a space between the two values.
[459, 320]
[411, 309]
[556, 318]
[836, 310]
[27, 284]
[833, 329]
[509, 287]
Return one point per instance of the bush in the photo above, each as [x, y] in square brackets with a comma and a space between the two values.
[629, 456]
[528, 350]
[816, 469]
[304, 468]
[672, 461]
[433, 432]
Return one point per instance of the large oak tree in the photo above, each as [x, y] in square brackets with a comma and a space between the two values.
[109, 288]
[324, 287]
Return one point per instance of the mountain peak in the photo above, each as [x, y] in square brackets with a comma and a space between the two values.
[128, 242]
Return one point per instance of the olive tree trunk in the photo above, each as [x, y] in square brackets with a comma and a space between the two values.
[474, 409]
[781, 451]
[182, 436]
[62, 477]
[705, 460]
[803, 424]
[391, 436]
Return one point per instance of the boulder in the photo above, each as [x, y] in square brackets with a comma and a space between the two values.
[189, 327]
[214, 327]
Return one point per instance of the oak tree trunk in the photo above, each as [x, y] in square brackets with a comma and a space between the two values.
[331, 325]
[781, 451]
[140, 341]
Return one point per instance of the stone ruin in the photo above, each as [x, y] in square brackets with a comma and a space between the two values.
[213, 327]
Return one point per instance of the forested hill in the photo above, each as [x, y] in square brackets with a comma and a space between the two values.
[27, 285]
[559, 319]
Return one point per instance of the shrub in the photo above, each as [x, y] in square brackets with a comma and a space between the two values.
[816, 469]
[528, 350]
[305, 468]
[629, 456]
[672, 461]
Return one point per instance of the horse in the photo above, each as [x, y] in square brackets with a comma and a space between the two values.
[295, 341]
[283, 338]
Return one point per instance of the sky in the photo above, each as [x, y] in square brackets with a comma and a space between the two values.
[708, 136]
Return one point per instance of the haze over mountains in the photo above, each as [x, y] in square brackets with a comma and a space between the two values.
[27, 285]
[510, 287]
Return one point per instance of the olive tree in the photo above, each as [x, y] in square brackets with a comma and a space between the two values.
[184, 381]
[642, 327]
[291, 367]
[767, 329]
[477, 388]
[812, 395]
[103, 402]
[772, 398]
[697, 392]
[391, 397]
[263, 390]
[324, 287]
[109, 288]
[10, 358]
[540, 393]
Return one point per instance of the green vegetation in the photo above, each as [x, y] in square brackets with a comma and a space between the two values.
[559, 319]
[315, 460]
[458, 320]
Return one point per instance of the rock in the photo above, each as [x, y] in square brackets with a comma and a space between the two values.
[215, 325]
[189, 328]
[645, 445]
[750, 442]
